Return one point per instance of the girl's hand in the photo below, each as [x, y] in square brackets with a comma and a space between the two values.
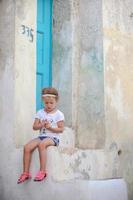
[47, 124]
[43, 123]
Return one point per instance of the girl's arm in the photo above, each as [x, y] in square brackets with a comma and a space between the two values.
[58, 129]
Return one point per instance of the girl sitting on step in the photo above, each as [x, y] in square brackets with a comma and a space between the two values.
[50, 122]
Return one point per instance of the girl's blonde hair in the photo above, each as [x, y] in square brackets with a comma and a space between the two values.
[51, 91]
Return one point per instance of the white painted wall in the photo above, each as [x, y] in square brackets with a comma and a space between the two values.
[118, 86]
[25, 70]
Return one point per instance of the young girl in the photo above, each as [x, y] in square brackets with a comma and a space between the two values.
[50, 122]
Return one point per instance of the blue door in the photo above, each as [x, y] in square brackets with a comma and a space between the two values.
[44, 45]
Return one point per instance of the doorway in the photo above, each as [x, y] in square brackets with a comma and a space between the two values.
[44, 48]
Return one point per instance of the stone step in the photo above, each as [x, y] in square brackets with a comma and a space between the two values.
[114, 189]
[66, 162]
[71, 163]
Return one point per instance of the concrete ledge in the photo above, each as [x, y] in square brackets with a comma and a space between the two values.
[70, 163]
[114, 189]
[67, 162]
[73, 190]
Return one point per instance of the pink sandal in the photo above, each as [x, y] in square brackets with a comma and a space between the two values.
[40, 176]
[24, 176]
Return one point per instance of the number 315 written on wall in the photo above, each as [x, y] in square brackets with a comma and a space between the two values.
[27, 31]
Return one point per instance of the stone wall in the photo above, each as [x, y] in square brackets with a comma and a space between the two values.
[62, 56]
[25, 70]
[78, 68]
[118, 62]
[90, 116]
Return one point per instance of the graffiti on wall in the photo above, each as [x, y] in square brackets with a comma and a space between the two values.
[28, 32]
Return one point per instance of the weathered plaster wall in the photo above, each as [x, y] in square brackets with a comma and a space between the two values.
[78, 68]
[90, 116]
[118, 62]
[62, 56]
[7, 10]
[6, 66]
[25, 69]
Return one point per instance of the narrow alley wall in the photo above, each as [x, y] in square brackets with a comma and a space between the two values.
[78, 67]
[118, 62]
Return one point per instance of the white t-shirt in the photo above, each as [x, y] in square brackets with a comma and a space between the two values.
[53, 118]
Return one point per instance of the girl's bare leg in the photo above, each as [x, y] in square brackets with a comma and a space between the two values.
[28, 149]
[42, 147]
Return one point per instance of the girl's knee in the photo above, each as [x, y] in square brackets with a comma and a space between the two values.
[42, 146]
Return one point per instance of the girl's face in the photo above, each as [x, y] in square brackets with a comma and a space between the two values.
[50, 103]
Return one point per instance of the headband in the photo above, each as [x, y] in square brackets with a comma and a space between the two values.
[49, 95]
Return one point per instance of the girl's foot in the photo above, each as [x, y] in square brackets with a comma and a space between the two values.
[24, 176]
[40, 176]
